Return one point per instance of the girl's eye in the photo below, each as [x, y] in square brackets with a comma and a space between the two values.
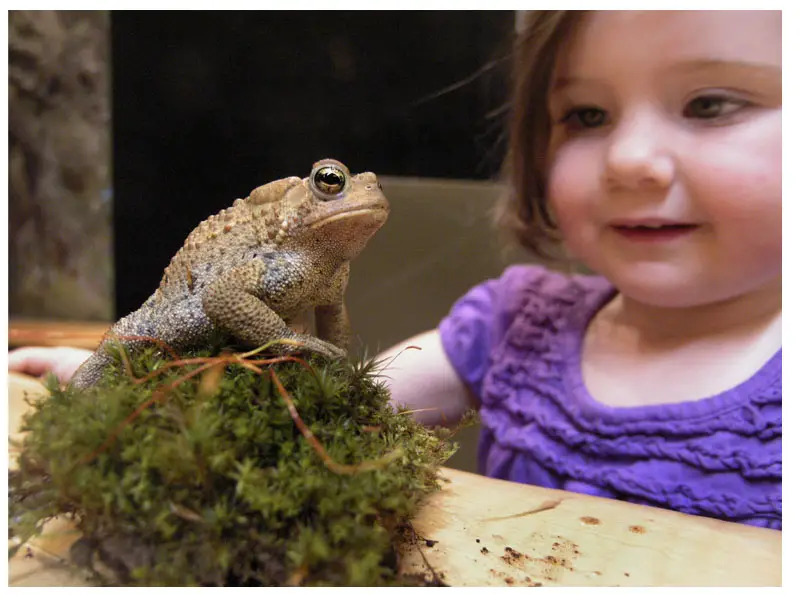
[712, 107]
[584, 118]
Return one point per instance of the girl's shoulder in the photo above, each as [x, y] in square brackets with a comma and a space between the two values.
[550, 290]
[524, 301]
[552, 282]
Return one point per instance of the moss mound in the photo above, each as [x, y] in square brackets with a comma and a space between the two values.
[214, 484]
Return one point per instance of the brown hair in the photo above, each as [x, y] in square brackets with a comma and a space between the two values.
[523, 211]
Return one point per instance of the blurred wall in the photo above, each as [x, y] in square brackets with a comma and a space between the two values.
[59, 162]
[436, 245]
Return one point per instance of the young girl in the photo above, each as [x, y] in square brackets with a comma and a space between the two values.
[649, 144]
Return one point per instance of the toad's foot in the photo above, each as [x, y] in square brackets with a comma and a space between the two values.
[300, 342]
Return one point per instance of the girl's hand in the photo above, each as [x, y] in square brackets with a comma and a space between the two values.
[62, 361]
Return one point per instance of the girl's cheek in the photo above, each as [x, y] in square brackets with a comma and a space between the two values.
[569, 188]
[746, 153]
[738, 181]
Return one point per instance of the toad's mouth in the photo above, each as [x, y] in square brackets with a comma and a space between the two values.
[376, 212]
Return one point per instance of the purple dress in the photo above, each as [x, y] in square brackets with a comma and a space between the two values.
[516, 341]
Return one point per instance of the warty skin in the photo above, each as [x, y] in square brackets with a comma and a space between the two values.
[254, 268]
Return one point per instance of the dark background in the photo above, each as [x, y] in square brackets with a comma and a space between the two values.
[207, 106]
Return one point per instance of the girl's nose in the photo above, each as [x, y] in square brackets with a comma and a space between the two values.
[638, 156]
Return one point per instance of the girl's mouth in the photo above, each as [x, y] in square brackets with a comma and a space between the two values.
[654, 233]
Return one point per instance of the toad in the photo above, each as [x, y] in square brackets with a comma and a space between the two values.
[253, 269]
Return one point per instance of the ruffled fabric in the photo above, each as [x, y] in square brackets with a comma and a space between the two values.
[516, 342]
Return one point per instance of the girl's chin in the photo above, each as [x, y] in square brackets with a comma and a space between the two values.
[664, 288]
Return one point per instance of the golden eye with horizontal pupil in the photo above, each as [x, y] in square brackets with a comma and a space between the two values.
[330, 180]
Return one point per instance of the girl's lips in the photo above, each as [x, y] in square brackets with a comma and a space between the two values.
[663, 233]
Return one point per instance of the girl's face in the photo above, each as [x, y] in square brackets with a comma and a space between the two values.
[665, 155]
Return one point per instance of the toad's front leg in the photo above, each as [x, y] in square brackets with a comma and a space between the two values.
[233, 303]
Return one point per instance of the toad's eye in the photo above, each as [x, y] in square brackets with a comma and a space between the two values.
[329, 180]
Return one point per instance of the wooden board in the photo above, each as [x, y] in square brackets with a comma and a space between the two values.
[491, 532]
[478, 532]
[34, 332]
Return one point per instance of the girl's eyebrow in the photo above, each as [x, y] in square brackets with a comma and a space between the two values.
[689, 67]
[560, 83]
[714, 64]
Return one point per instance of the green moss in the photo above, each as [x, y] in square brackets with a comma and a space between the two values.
[218, 486]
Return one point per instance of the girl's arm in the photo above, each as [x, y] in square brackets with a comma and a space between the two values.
[425, 379]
